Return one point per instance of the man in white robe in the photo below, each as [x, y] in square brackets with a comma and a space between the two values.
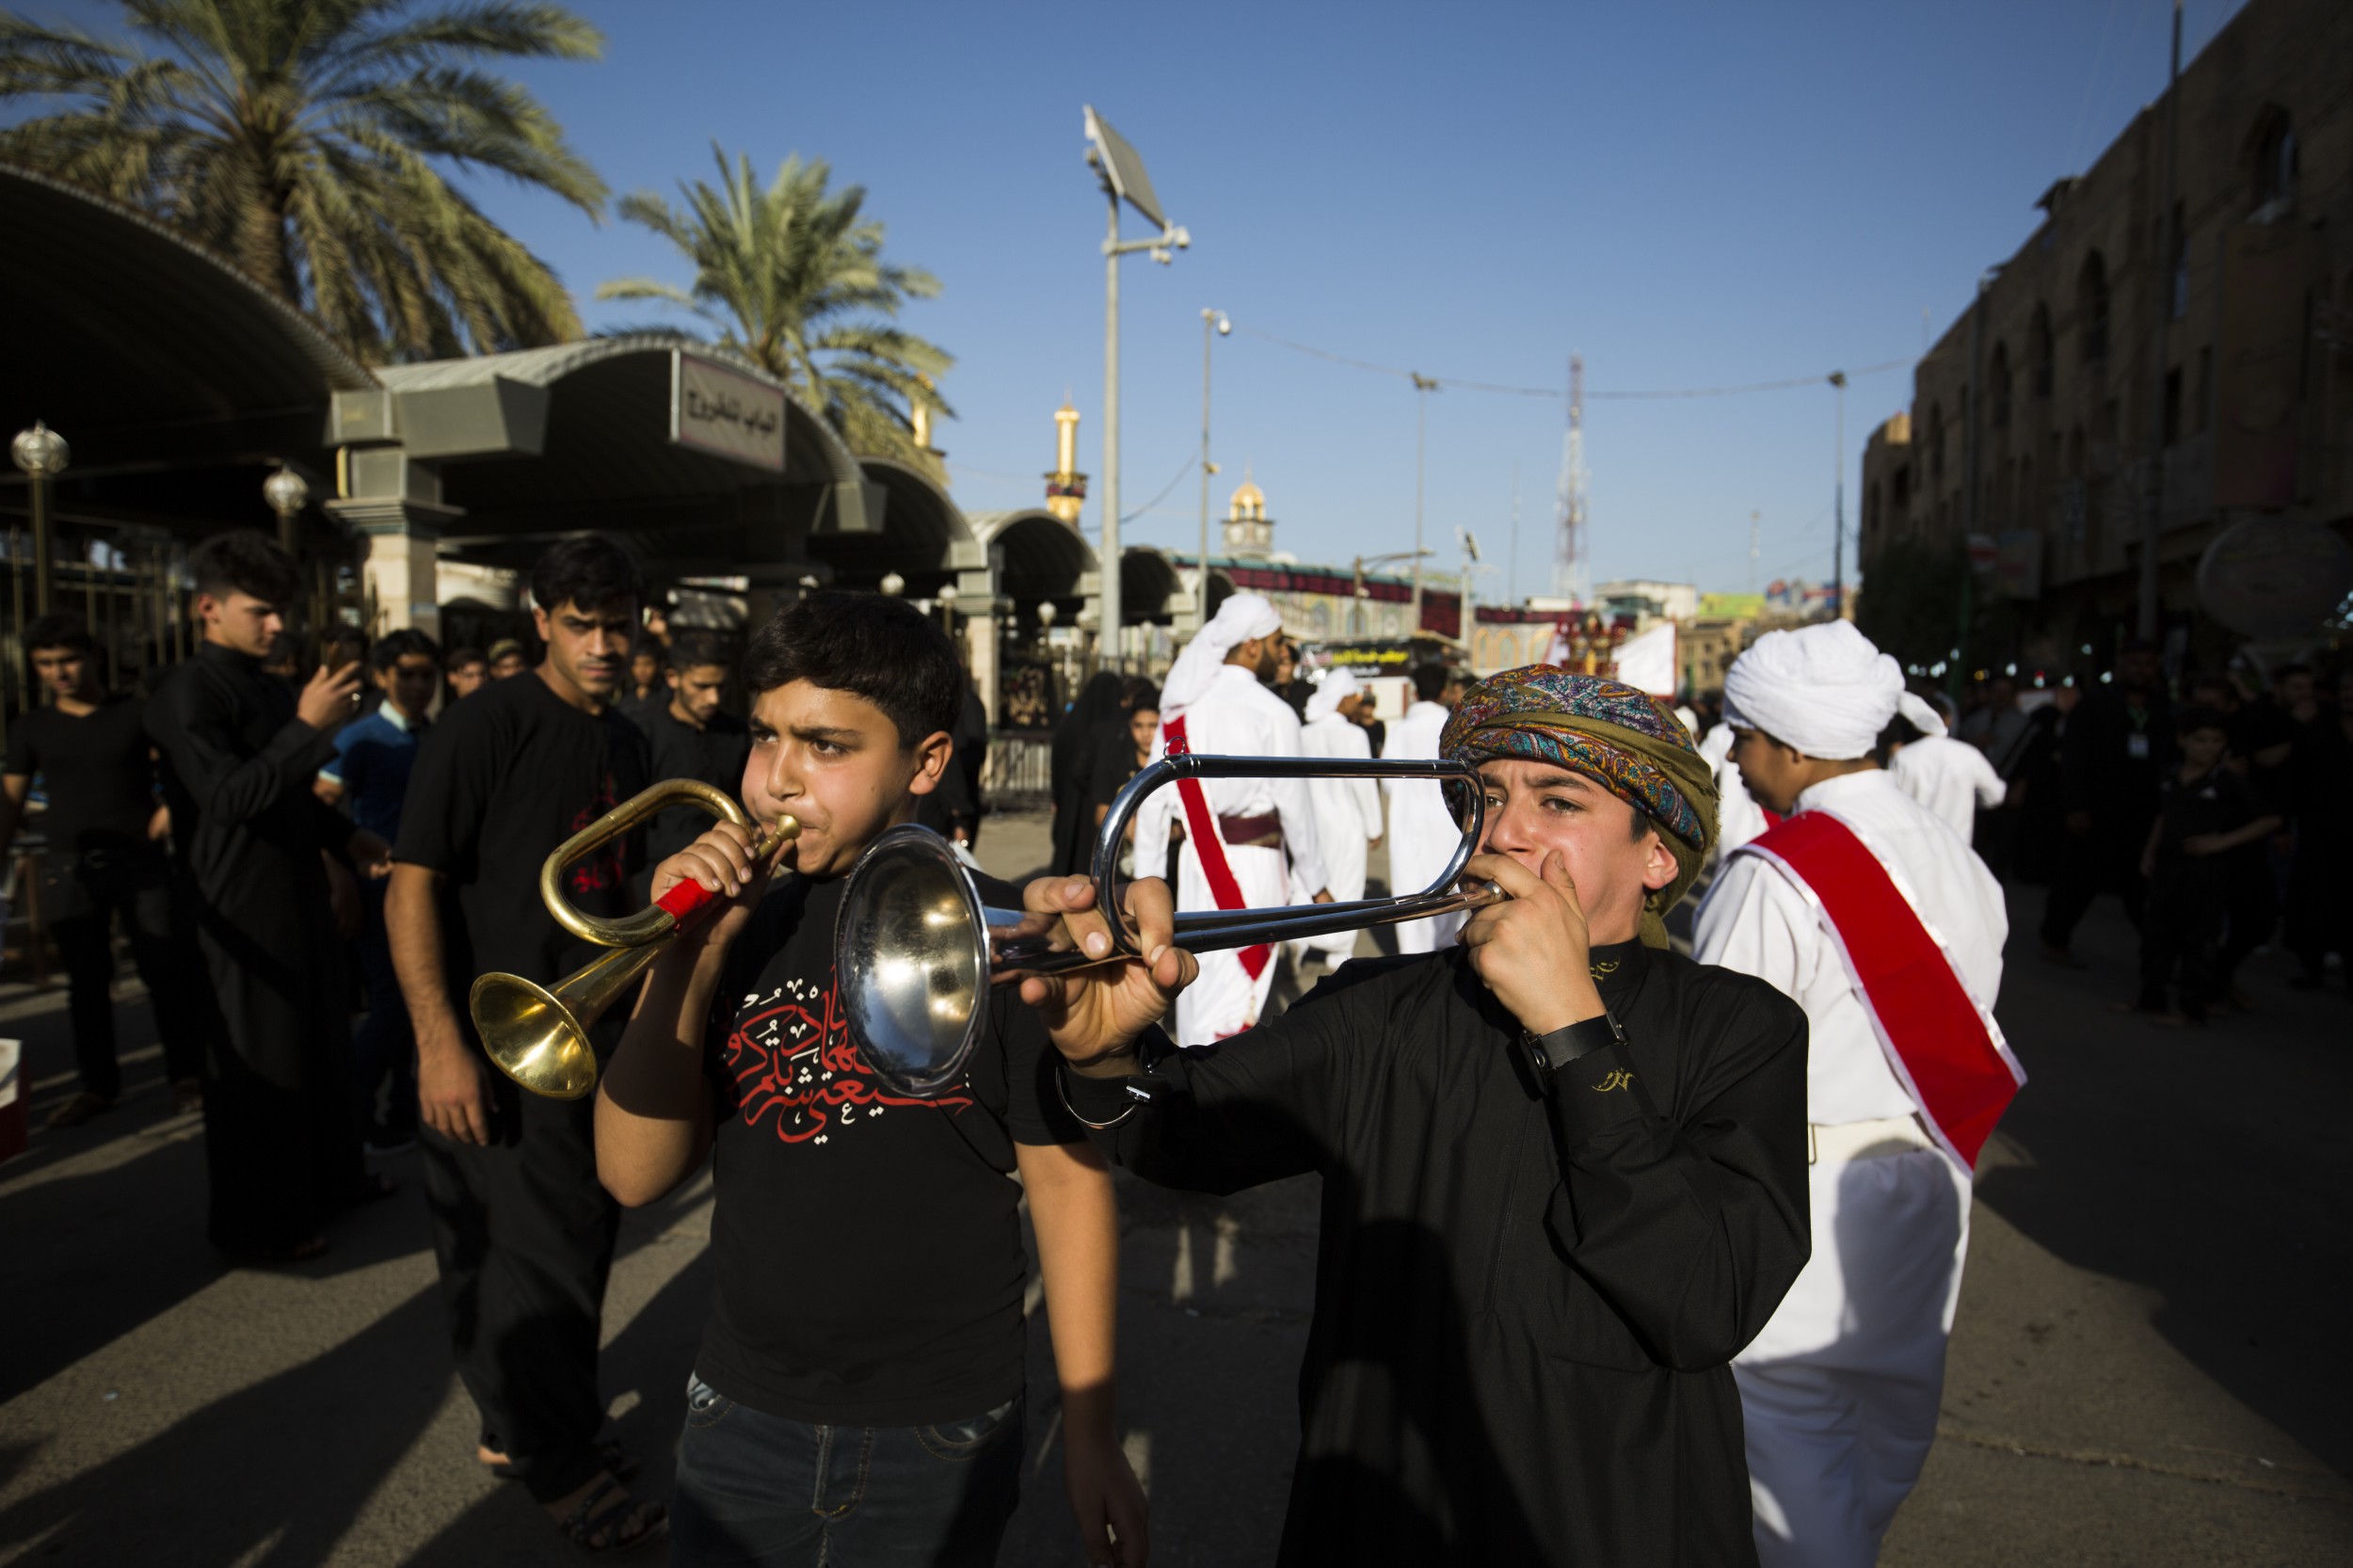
[1840, 1391]
[1260, 830]
[1423, 834]
[1348, 810]
[1952, 779]
[1739, 818]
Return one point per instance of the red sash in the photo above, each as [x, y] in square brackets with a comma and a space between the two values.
[1940, 1040]
[1201, 826]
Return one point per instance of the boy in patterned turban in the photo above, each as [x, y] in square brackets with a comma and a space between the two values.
[1563, 1169]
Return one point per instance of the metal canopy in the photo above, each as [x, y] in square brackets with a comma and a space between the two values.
[545, 444]
[176, 378]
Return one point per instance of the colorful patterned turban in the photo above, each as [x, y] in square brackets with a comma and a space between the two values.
[1629, 743]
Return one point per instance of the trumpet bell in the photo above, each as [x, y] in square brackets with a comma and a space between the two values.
[914, 959]
[532, 1037]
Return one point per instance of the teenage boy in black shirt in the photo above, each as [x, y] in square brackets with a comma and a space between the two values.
[857, 1395]
[521, 1230]
[240, 748]
[691, 736]
[2204, 813]
[105, 856]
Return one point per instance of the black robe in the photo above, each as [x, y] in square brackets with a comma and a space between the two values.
[281, 1139]
[1526, 1302]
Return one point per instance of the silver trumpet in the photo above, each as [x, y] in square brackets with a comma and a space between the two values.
[920, 950]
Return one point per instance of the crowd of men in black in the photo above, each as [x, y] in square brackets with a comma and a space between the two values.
[2213, 806]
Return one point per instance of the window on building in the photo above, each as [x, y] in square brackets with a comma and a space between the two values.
[1936, 442]
[2038, 352]
[1997, 388]
[1903, 490]
[2275, 159]
[2091, 308]
[2172, 416]
[2180, 239]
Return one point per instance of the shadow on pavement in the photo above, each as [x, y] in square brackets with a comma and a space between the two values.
[2208, 1165]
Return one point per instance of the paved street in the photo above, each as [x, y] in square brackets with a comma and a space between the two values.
[2146, 1371]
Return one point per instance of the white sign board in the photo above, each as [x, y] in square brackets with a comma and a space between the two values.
[1647, 660]
[726, 412]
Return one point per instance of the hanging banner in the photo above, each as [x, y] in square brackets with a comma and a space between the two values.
[1647, 660]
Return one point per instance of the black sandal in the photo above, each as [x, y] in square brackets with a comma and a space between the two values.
[588, 1522]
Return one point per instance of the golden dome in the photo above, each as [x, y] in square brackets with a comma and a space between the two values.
[1248, 502]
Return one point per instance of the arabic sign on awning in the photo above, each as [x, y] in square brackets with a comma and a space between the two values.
[725, 413]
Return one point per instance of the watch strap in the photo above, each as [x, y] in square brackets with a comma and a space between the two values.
[1550, 1053]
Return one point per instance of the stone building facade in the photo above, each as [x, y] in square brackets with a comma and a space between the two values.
[2041, 422]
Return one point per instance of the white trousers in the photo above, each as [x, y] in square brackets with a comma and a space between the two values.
[1840, 1391]
[1225, 999]
[1344, 874]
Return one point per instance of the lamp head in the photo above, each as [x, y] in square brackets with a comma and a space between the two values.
[40, 451]
[286, 492]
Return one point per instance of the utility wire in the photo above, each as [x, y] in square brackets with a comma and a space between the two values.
[1130, 516]
[1556, 394]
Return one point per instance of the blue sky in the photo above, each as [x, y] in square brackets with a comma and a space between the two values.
[1689, 195]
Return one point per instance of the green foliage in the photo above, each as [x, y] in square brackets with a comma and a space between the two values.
[793, 278]
[305, 140]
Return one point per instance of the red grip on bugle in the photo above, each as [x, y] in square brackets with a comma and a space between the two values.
[687, 900]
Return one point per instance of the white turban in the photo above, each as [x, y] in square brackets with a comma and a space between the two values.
[1923, 715]
[1242, 617]
[1825, 690]
[1337, 687]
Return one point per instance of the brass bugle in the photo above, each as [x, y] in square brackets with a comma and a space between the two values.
[919, 949]
[539, 1034]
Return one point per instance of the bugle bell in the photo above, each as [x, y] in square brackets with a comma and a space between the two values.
[919, 949]
[539, 1034]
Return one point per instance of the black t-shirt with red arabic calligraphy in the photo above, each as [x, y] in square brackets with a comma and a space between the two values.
[502, 780]
[867, 1246]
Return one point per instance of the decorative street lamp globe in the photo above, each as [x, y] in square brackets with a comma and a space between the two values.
[1045, 613]
[286, 493]
[41, 452]
[893, 584]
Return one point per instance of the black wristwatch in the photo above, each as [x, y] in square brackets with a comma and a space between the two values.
[1548, 1054]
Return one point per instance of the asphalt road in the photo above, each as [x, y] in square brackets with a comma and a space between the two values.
[2149, 1367]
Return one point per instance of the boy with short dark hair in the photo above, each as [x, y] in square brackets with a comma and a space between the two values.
[857, 1395]
[469, 671]
[2204, 812]
[240, 749]
[522, 1233]
[104, 858]
[691, 736]
[369, 777]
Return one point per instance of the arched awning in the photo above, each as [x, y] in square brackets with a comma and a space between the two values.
[1038, 558]
[925, 539]
[1151, 589]
[544, 443]
[177, 380]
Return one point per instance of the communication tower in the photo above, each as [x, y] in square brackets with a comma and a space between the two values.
[1568, 569]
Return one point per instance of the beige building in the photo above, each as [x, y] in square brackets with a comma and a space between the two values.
[2044, 421]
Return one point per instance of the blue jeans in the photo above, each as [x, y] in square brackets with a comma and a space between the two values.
[755, 1488]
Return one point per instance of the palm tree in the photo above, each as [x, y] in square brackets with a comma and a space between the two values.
[306, 141]
[793, 279]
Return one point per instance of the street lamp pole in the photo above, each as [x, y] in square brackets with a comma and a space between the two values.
[1213, 325]
[1423, 387]
[1838, 505]
[1121, 173]
[1109, 572]
[42, 454]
